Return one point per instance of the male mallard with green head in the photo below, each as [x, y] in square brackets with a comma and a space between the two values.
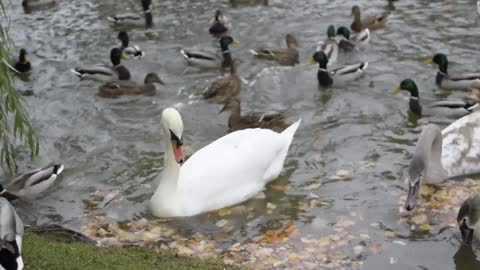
[446, 81]
[105, 73]
[437, 108]
[204, 58]
[337, 76]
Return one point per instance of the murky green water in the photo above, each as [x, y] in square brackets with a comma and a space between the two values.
[114, 145]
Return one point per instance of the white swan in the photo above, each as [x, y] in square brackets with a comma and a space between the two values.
[439, 155]
[226, 172]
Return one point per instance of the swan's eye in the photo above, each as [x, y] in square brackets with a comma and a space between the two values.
[175, 138]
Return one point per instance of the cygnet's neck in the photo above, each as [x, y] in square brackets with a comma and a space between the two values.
[429, 149]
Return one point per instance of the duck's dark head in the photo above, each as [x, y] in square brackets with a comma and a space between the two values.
[23, 56]
[225, 41]
[344, 32]
[331, 31]
[218, 15]
[146, 5]
[123, 37]
[407, 85]
[320, 58]
[441, 60]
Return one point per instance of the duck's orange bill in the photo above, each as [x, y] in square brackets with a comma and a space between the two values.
[177, 152]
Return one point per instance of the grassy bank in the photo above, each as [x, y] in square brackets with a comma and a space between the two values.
[44, 252]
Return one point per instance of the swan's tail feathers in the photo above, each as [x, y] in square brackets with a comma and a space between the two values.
[277, 165]
[290, 131]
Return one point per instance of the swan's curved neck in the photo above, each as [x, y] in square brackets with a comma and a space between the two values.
[164, 199]
[429, 149]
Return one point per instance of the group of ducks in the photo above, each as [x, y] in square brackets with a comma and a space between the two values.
[207, 181]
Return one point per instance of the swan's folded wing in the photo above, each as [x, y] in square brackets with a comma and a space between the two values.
[461, 146]
[229, 170]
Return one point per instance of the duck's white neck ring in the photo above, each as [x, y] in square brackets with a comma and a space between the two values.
[414, 98]
[322, 69]
[444, 74]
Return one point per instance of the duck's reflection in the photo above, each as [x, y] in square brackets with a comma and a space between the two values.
[466, 259]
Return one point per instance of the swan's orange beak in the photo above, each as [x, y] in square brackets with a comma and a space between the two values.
[178, 152]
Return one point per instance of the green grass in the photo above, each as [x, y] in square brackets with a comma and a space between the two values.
[44, 252]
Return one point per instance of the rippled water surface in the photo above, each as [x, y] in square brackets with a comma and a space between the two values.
[112, 147]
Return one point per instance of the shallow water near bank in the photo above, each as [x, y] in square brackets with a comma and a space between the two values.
[336, 203]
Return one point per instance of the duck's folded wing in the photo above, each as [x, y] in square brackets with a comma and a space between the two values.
[124, 17]
[464, 77]
[229, 170]
[31, 178]
[346, 45]
[134, 51]
[362, 37]
[453, 104]
[217, 87]
[199, 54]
[100, 69]
[344, 70]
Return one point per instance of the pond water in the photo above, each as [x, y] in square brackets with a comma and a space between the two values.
[336, 204]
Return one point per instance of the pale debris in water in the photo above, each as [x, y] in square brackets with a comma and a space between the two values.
[358, 250]
[367, 164]
[342, 175]
[221, 223]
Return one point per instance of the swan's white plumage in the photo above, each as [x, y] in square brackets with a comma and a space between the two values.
[461, 146]
[226, 172]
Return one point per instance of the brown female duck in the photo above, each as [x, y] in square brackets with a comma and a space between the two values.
[224, 88]
[370, 22]
[288, 56]
[237, 121]
[120, 88]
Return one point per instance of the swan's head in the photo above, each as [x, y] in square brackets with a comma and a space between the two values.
[468, 218]
[415, 174]
[172, 125]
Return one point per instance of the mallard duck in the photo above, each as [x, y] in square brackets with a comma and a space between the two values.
[135, 18]
[23, 65]
[329, 46]
[104, 73]
[337, 76]
[226, 172]
[288, 56]
[209, 59]
[468, 219]
[27, 4]
[11, 234]
[120, 88]
[237, 121]
[219, 24]
[349, 43]
[442, 154]
[439, 108]
[445, 81]
[371, 22]
[131, 51]
[224, 88]
[34, 182]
